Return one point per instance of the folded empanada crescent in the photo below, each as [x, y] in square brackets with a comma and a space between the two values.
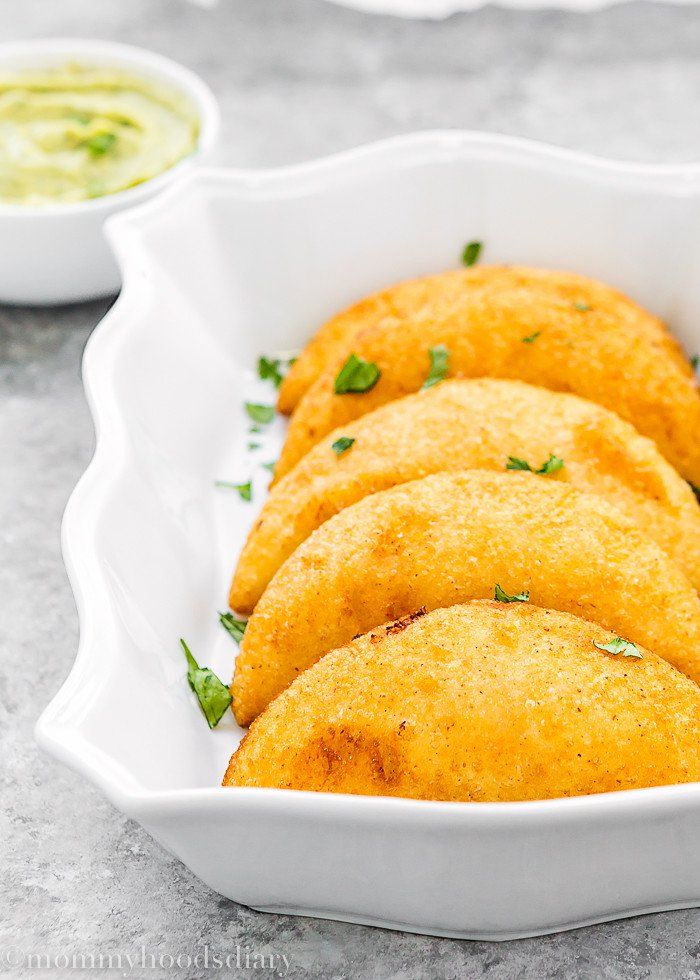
[450, 538]
[476, 424]
[481, 702]
[553, 329]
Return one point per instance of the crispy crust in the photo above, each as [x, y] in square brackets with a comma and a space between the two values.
[478, 702]
[447, 539]
[473, 424]
[613, 353]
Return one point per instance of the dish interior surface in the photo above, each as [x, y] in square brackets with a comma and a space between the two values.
[222, 268]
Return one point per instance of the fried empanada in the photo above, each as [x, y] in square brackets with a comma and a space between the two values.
[557, 330]
[481, 702]
[475, 424]
[452, 537]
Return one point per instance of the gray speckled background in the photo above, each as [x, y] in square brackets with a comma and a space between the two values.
[296, 78]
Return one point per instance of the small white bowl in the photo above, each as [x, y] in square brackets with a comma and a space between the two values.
[57, 253]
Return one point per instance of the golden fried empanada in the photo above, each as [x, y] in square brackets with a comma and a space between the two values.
[479, 702]
[553, 329]
[474, 424]
[450, 538]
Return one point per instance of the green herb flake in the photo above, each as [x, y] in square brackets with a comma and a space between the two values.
[260, 414]
[99, 144]
[244, 490]
[82, 117]
[532, 337]
[501, 596]
[269, 466]
[356, 376]
[253, 445]
[439, 365]
[213, 696]
[271, 368]
[694, 361]
[618, 645]
[550, 465]
[471, 253]
[514, 463]
[582, 307]
[342, 445]
[234, 627]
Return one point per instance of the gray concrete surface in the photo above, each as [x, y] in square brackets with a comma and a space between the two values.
[296, 78]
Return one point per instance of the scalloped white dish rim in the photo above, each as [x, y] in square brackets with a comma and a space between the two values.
[87, 500]
[442, 9]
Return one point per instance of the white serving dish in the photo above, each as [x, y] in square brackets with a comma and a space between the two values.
[57, 253]
[221, 267]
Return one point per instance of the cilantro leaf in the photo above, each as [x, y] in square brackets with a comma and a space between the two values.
[274, 368]
[244, 490]
[269, 370]
[515, 463]
[342, 445]
[618, 645]
[501, 596]
[270, 467]
[213, 696]
[439, 365]
[582, 307]
[531, 338]
[471, 253]
[551, 465]
[356, 376]
[260, 414]
[99, 144]
[235, 627]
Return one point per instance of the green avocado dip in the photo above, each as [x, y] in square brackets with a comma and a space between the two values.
[73, 133]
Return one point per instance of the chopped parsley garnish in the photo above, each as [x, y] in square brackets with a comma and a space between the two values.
[356, 376]
[532, 337]
[100, 143]
[618, 645]
[213, 696]
[582, 307]
[270, 368]
[515, 463]
[260, 414]
[471, 253]
[501, 596]
[550, 465]
[439, 365]
[269, 466]
[244, 490]
[253, 445]
[234, 627]
[694, 361]
[342, 445]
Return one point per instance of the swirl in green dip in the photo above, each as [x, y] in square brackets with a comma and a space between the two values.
[68, 134]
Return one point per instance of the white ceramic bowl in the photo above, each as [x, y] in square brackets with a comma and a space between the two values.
[58, 253]
[224, 266]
